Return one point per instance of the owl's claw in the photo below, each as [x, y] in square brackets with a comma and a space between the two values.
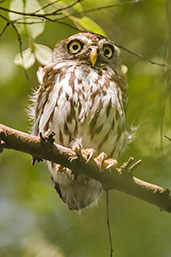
[110, 163]
[60, 168]
[2, 144]
[88, 154]
[48, 136]
[34, 160]
[76, 147]
[102, 161]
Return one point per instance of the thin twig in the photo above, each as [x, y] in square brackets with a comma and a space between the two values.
[46, 19]
[45, 6]
[3, 30]
[168, 138]
[28, 17]
[108, 223]
[61, 22]
[62, 9]
[3, 17]
[20, 47]
[19, 38]
[143, 57]
[110, 6]
[167, 74]
[40, 15]
[12, 11]
[30, 22]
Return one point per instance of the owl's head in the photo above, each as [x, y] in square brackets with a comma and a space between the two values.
[88, 48]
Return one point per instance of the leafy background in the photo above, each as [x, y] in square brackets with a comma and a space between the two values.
[33, 220]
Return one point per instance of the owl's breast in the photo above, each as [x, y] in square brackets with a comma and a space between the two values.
[101, 114]
[84, 103]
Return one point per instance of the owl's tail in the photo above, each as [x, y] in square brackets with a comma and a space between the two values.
[78, 192]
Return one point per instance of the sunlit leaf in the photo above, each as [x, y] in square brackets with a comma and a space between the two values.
[124, 68]
[61, 4]
[90, 25]
[43, 54]
[26, 60]
[34, 30]
[17, 5]
[78, 7]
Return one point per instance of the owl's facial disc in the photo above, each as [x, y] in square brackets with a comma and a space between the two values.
[76, 46]
[94, 51]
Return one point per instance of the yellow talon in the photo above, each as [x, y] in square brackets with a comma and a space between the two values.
[107, 163]
[76, 147]
[88, 153]
[59, 167]
[110, 163]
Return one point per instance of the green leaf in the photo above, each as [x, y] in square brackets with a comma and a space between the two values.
[78, 7]
[124, 68]
[43, 54]
[26, 60]
[34, 30]
[91, 25]
[17, 5]
[61, 4]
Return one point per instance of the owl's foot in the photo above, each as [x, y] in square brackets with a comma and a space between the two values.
[48, 136]
[102, 161]
[88, 154]
[2, 144]
[34, 160]
[60, 168]
[110, 163]
[76, 147]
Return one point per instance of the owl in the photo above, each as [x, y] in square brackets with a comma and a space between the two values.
[82, 98]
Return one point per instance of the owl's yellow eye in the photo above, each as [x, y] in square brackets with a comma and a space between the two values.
[75, 46]
[108, 51]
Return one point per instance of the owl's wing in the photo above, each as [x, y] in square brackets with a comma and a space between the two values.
[121, 81]
[53, 105]
[44, 99]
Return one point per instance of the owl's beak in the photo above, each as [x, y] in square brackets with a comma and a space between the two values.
[93, 55]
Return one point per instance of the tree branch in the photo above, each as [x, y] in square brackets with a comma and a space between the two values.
[111, 5]
[120, 179]
[165, 65]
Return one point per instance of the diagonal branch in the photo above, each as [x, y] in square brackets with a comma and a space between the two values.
[35, 14]
[165, 65]
[4, 28]
[111, 5]
[118, 179]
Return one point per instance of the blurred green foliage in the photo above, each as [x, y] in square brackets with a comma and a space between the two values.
[33, 220]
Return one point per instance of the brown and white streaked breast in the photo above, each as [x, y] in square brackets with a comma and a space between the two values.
[81, 102]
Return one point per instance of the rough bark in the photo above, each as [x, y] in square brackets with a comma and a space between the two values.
[117, 178]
